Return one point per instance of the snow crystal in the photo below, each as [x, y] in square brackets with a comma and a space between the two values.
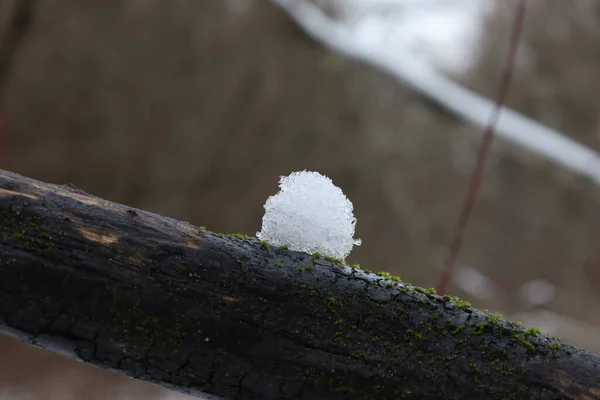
[309, 214]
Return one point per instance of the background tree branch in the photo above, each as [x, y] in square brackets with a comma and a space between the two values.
[435, 86]
[167, 302]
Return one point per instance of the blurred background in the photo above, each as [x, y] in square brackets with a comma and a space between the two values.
[193, 109]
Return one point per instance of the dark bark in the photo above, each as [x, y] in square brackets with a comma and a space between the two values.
[170, 303]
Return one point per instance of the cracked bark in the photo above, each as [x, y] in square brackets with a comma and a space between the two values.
[167, 302]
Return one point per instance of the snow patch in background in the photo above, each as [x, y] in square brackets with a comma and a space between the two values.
[443, 33]
[538, 292]
[473, 282]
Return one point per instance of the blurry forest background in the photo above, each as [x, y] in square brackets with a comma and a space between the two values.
[193, 109]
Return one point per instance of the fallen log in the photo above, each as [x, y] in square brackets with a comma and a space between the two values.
[202, 313]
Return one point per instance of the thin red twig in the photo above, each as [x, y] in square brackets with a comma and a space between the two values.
[478, 172]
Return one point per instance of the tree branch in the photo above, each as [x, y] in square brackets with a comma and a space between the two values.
[164, 301]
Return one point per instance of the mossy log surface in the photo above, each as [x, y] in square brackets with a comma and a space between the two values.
[167, 302]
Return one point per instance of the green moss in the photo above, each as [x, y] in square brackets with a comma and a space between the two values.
[389, 276]
[533, 332]
[478, 330]
[285, 246]
[528, 345]
[30, 232]
[415, 334]
[136, 331]
[460, 304]
[264, 244]
[334, 260]
[278, 264]
[332, 303]
[338, 336]
[495, 319]
[317, 255]
[459, 329]
[22, 236]
[239, 236]
[425, 291]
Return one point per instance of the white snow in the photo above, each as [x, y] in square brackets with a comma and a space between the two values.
[443, 33]
[309, 214]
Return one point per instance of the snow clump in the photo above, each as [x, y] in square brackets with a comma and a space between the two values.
[310, 214]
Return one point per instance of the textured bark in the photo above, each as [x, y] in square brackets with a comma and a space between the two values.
[170, 303]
